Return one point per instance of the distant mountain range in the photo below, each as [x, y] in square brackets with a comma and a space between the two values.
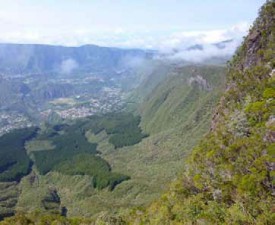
[32, 58]
[45, 59]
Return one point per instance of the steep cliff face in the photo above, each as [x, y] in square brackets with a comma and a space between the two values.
[188, 94]
[229, 178]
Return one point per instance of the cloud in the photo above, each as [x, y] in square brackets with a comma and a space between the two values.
[172, 43]
[177, 47]
[68, 65]
[115, 36]
[208, 51]
[132, 62]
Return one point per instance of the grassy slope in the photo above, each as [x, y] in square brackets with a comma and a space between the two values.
[176, 101]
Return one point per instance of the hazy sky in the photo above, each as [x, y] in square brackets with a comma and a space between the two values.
[125, 23]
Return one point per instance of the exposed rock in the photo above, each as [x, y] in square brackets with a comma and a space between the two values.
[271, 121]
[272, 73]
[200, 81]
[217, 194]
[270, 136]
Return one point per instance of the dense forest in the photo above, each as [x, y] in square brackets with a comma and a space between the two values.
[14, 161]
[73, 148]
[123, 128]
[71, 143]
[70, 147]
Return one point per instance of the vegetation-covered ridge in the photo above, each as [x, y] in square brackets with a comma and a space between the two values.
[185, 97]
[229, 177]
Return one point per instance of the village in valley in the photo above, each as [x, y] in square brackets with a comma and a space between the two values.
[11, 121]
[110, 99]
[69, 108]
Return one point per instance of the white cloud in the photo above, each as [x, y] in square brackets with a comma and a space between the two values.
[176, 47]
[208, 51]
[185, 39]
[164, 41]
[68, 65]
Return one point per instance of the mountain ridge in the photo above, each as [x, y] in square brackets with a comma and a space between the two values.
[229, 177]
[37, 58]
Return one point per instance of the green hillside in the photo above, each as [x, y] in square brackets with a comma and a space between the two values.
[155, 160]
[229, 177]
[187, 94]
[107, 150]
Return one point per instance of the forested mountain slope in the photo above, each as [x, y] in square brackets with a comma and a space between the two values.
[187, 91]
[229, 178]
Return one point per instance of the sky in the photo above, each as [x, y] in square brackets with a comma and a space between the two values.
[150, 24]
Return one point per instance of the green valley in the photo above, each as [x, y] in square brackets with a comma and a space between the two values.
[117, 157]
[140, 137]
